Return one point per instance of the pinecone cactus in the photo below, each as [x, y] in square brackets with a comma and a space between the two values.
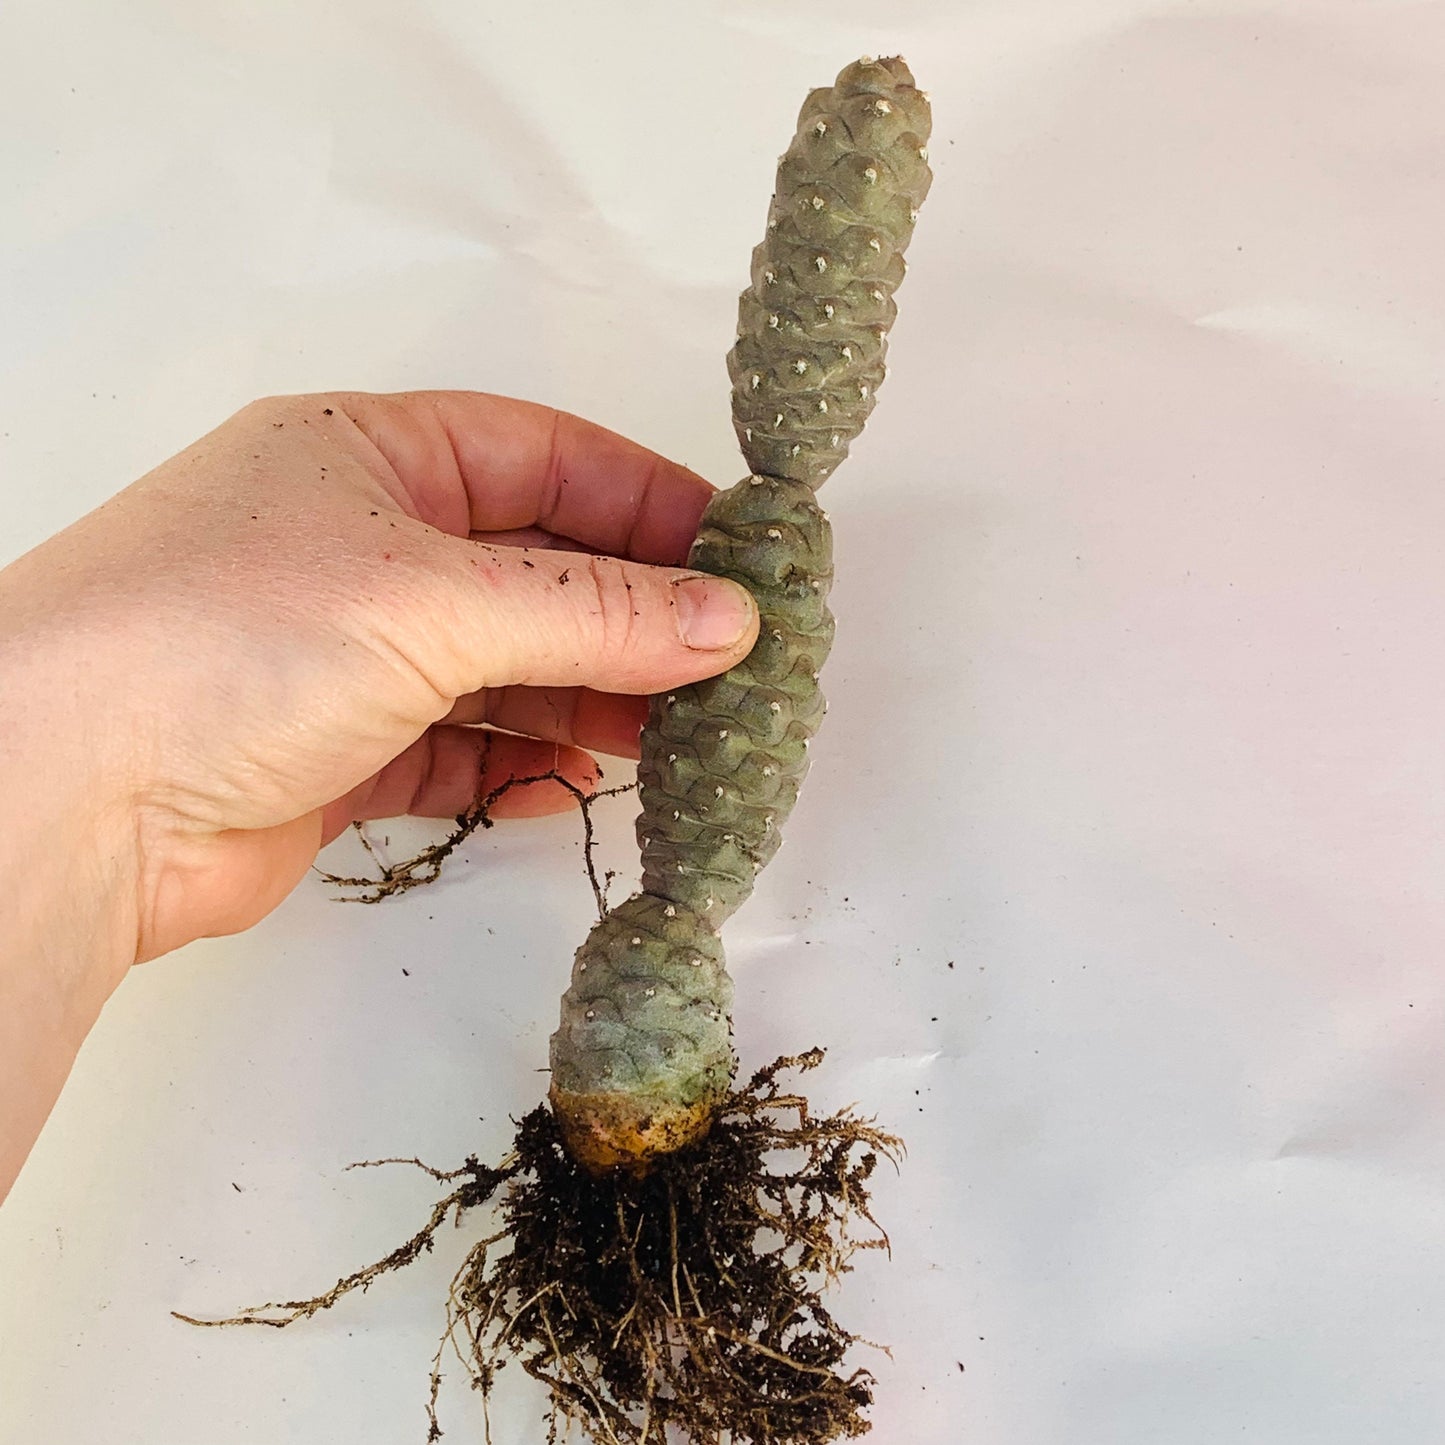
[643, 1055]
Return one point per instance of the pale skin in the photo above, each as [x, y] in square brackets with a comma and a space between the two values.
[330, 609]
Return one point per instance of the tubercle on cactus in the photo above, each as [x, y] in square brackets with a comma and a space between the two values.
[671, 1232]
[642, 1058]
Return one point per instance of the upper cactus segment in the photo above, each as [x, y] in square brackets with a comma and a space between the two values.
[813, 326]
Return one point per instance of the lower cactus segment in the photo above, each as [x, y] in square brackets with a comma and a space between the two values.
[643, 1055]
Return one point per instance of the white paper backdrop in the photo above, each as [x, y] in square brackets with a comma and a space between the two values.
[1117, 883]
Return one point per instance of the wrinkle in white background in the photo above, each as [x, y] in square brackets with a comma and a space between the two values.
[1116, 886]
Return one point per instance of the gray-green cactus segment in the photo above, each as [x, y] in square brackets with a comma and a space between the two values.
[813, 326]
[648, 1008]
[722, 760]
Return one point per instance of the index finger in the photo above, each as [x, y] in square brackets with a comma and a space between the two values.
[473, 462]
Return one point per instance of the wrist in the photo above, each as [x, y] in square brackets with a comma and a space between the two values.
[67, 861]
[67, 846]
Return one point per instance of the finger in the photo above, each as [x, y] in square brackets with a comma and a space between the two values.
[531, 537]
[468, 616]
[448, 769]
[471, 462]
[601, 722]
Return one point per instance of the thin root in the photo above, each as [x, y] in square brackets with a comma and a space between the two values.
[480, 1186]
[426, 866]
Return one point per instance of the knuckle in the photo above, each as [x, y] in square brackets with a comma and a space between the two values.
[260, 409]
[614, 610]
[267, 411]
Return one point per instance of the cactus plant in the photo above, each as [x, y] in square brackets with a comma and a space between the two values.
[643, 1055]
[670, 1233]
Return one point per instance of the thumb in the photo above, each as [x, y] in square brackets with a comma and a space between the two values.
[546, 618]
[210, 884]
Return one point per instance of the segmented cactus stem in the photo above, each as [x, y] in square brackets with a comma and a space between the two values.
[643, 1055]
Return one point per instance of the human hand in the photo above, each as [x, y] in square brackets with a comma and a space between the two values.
[296, 624]
[290, 625]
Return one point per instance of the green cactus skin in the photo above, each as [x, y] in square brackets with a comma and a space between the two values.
[813, 326]
[644, 1053]
[722, 760]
